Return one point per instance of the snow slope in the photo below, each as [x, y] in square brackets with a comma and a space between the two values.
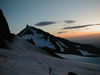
[95, 60]
[22, 58]
[85, 52]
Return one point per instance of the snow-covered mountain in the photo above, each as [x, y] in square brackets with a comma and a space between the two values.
[56, 45]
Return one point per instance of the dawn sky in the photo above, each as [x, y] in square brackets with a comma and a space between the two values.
[64, 18]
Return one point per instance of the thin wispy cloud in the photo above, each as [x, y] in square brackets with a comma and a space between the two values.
[97, 24]
[70, 21]
[62, 32]
[77, 27]
[44, 23]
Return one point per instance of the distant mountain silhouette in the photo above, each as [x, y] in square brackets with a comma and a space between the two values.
[93, 39]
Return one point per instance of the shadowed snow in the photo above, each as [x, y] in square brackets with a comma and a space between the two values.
[26, 59]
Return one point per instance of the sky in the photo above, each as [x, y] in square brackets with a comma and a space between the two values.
[63, 18]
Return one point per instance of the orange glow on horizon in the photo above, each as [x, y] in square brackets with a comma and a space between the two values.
[78, 34]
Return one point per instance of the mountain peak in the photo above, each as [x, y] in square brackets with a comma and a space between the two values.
[27, 25]
[54, 44]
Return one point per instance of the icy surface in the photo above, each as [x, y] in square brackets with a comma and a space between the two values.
[62, 49]
[25, 59]
[63, 44]
[85, 52]
[80, 58]
[39, 41]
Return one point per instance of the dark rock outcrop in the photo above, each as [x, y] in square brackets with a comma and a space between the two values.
[4, 30]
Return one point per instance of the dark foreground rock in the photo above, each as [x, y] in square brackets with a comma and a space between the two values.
[4, 30]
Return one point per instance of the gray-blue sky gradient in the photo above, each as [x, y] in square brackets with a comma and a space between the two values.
[22, 12]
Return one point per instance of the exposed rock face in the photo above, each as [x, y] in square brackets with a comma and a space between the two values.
[4, 29]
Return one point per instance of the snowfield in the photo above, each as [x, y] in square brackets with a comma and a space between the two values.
[39, 41]
[95, 60]
[22, 58]
[85, 52]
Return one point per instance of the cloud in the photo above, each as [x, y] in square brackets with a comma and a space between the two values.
[97, 24]
[44, 23]
[77, 27]
[62, 32]
[70, 21]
